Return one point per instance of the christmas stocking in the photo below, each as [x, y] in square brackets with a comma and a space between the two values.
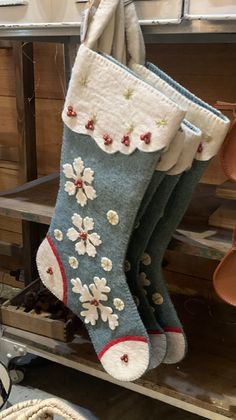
[214, 126]
[182, 149]
[138, 281]
[111, 147]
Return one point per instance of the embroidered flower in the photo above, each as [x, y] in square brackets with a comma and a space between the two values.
[128, 93]
[107, 139]
[112, 217]
[157, 299]
[83, 81]
[58, 234]
[143, 280]
[90, 125]
[74, 263]
[146, 137]
[119, 304]
[106, 264]
[161, 123]
[130, 128]
[127, 266]
[126, 140]
[88, 241]
[207, 137]
[91, 298]
[146, 259]
[71, 112]
[82, 178]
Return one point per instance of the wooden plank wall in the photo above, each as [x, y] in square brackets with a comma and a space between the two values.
[207, 70]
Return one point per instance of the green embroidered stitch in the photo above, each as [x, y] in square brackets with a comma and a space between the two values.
[161, 123]
[84, 81]
[128, 94]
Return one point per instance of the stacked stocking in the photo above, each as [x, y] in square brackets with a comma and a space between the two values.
[125, 149]
[167, 196]
[113, 140]
[171, 193]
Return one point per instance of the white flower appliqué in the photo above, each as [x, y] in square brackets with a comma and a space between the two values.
[58, 234]
[91, 298]
[82, 178]
[74, 263]
[143, 281]
[119, 304]
[106, 264]
[157, 298]
[88, 241]
[112, 217]
[146, 259]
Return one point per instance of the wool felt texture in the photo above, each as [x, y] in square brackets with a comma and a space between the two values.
[156, 289]
[214, 126]
[105, 171]
[206, 150]
[139, 240]
[168, 161]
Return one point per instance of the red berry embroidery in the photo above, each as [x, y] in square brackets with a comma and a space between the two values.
[49, 271]
[90, 125]
[124, 358]
[200, 148]
[146, 137]
[83, 235]
[107, 139]
[79, 183]
[94, 302]
[71, 112]
[125, 140]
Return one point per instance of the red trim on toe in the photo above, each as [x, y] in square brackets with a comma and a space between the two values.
[120, 340]
[155, 332]
[173, 329]
[61, 268]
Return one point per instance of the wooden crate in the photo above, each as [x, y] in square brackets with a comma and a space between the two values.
[13, 315]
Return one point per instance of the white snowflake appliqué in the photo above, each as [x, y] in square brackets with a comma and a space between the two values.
[91, 298]
[88, 241]
[82, 178]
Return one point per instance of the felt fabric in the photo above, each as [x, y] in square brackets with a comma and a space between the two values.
[182, 189]
[214, 126]
[161, 192]
[105, 171]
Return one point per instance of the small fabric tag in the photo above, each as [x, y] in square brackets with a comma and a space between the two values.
[13, 2]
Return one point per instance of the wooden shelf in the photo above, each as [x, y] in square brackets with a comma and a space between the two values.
[224, 216]
[194, 235]
[203, 383]
[33, 201]
[227, 190]
[187, 31]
